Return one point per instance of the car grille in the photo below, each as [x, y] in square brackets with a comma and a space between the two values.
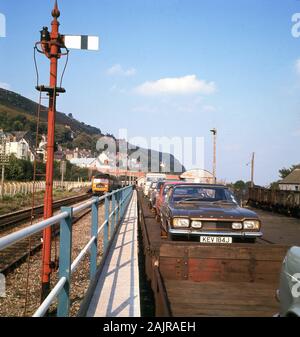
[217, 226]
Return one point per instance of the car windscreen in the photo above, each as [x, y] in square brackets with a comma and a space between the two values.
[201, 193]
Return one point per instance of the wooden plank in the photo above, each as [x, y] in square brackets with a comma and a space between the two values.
[233, 270]
[238, 252]
[221, 299]
[173, 268]
[200, 270]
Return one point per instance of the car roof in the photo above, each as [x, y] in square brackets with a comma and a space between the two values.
[172, 183]
[202, 185]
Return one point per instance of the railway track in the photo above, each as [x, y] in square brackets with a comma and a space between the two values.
[12, 257]
[8, 221]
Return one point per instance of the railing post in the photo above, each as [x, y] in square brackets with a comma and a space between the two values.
[105, 232]
[94, 232]
[122, 204]
[118, 211]
[113, 221]
[65, 262]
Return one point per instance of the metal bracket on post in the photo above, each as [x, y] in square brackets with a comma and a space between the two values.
[65, 250]
[94, 233]
[106, 227]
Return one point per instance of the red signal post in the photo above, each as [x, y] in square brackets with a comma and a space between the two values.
[50, 45]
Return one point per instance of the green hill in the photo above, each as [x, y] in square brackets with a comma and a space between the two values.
[23, 105]
[18, 113]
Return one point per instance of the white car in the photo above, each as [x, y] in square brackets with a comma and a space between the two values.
[289, 289]
[150, 178]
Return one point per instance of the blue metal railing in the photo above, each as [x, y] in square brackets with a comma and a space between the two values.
[115, 205]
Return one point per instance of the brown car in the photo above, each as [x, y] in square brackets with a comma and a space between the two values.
[208, 214]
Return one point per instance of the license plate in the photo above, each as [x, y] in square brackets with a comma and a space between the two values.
[216, 239]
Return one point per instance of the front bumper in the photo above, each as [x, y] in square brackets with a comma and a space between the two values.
[236, 234]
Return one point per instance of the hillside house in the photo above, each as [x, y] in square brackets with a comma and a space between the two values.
[18, 143]
[291, 182]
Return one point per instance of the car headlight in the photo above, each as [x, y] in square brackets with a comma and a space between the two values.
[196, 224]
[180, 222]
[251, 224]
[237, 225]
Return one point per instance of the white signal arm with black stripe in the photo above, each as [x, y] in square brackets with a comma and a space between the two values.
[82, 42]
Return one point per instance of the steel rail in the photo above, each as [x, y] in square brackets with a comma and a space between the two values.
[10, 219]
[13, 238]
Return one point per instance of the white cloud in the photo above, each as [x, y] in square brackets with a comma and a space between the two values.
[118, 70]
[185, 85]
[5, 86]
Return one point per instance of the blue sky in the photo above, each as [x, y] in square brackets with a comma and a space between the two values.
[229, 64]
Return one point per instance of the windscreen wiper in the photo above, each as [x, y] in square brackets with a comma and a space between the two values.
[190, 199]
[223, 202]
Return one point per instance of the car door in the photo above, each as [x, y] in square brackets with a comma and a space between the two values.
[165, 209]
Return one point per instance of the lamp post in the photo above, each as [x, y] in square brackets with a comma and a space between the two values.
[214, 133]
[252, 169]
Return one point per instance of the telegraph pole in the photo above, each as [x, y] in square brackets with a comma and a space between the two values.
[252, 169]
[214, 133]
[63, 168]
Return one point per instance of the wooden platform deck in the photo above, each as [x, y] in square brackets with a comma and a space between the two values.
[219, 299]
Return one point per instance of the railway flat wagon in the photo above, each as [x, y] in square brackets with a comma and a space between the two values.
[287, 202]
[190, 279]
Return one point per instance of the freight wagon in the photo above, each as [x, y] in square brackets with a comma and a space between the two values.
[286, 202]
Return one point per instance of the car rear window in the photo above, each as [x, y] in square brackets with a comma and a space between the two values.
[201, 193]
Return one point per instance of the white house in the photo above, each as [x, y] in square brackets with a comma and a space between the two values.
[291, 182]
[18, 144]
[84, 162]
[198, 176]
